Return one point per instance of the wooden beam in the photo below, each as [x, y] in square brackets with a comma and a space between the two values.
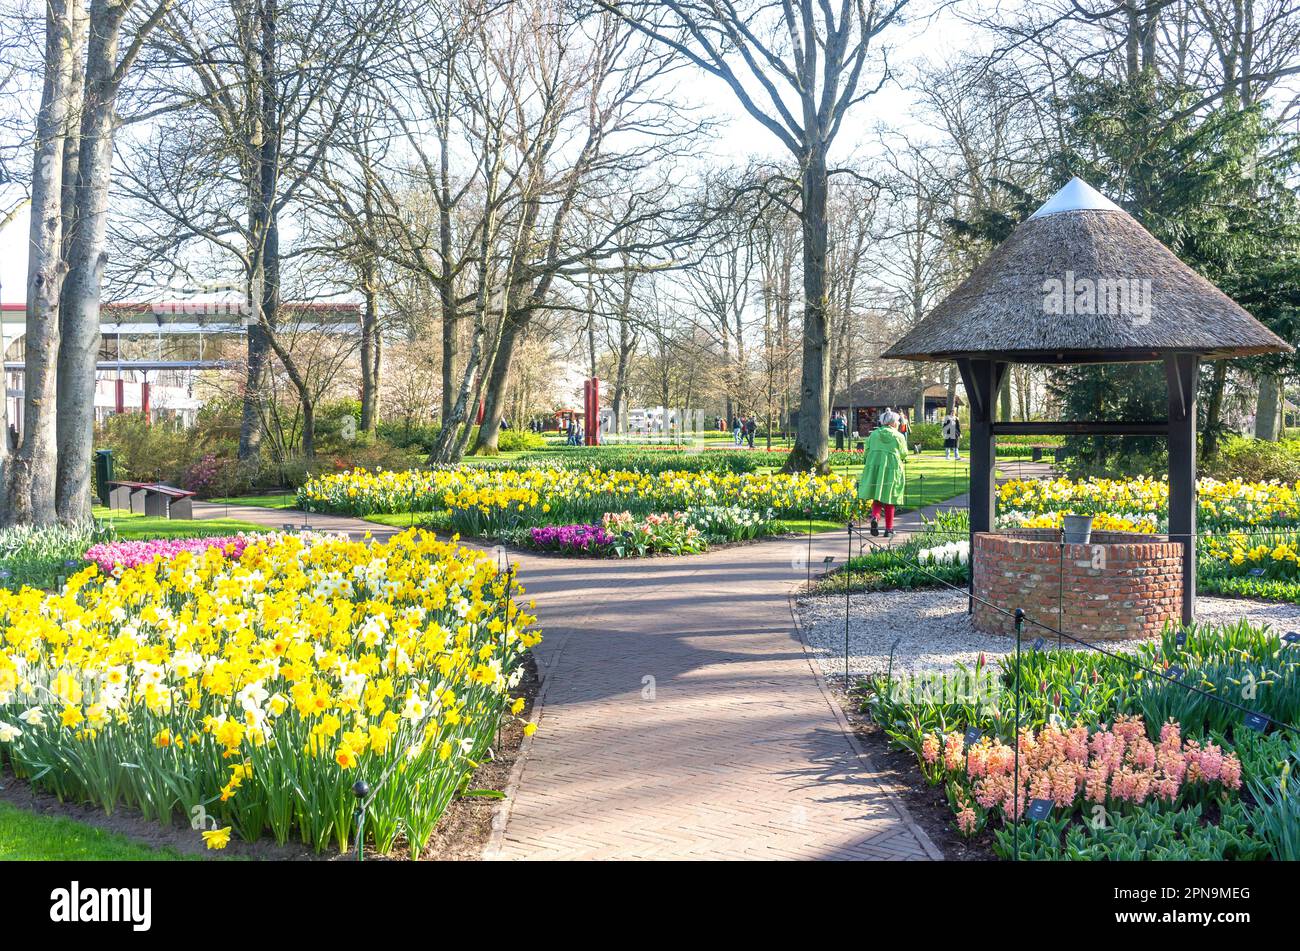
[1180, 376]
[1081, 428]
[983, 379]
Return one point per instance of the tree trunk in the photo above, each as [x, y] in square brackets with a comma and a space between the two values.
[446, 280]
[86, 254]
[250, 423]
[624, 356]
[811, 434]
[450, 445]
[33, 472]
[265, 279]
[494, 387]
[1214, 408]
[1266, 410]
[369, 354]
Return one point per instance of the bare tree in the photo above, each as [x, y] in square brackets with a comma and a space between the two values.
[605, 85]
[797, 68]
[30, 489]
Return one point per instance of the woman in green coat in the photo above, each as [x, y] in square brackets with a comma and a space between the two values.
[885, 473]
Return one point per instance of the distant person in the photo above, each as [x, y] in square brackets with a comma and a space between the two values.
[737, 429]
[751, 427]
[904, 426]
[951, 429]
[839, 426]
[884, 475]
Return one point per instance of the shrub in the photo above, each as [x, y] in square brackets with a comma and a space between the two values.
[930, 436]
[162, 452]
[1255, 460]
[409, 435]
[519, 440]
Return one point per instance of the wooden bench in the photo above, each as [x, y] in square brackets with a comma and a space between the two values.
[151, 498]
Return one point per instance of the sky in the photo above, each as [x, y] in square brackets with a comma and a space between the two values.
[740, 137]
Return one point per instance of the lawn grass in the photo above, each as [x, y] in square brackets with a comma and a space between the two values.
[402, 519]
[26, 836]
[287, 499]
[931, 479]
[132, 527]
[795, 526]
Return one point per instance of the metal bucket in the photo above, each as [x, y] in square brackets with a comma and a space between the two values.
[1077, 529]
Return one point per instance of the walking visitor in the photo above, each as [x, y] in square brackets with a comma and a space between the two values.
[884, 475]
[951, 430]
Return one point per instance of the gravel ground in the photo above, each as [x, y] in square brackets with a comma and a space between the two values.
[934, 631]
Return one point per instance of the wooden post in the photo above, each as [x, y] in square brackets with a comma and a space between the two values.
[1180, 374]
[983, 379]
[591, 399]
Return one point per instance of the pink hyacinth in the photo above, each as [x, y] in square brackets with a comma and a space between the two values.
[966, 820]
[1116, 764]
[930, 748]
[114, 556]
[953, 751]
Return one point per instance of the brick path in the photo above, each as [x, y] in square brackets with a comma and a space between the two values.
[680, 717]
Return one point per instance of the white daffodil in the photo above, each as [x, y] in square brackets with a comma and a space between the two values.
[415, 708]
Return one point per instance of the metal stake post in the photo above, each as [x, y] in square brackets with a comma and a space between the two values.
[1015, 733]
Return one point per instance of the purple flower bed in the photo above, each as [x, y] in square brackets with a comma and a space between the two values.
[109, 555]
[571, 538]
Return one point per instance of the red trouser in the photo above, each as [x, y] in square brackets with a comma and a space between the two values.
[889, 514]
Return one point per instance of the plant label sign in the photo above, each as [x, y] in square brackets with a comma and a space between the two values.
[972, 736]
[1291, 638]
[1256, 572]
[1175, 673]
[1039, 810]
[1038, 644]
[1257, 722]
[1181, 639]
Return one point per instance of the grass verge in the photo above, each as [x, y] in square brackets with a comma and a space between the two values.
[26, 836]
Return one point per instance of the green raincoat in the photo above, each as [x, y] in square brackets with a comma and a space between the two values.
[885, 473]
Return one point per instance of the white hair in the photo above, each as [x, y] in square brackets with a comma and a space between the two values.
[888, 418]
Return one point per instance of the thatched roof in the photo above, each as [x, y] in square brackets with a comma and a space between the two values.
[1082, 281]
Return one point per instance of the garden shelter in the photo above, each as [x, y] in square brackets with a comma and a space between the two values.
[1080, 281]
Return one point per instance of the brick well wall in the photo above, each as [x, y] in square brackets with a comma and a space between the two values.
[1119, 586]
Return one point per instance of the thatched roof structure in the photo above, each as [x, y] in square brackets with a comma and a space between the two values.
[880, 391]
[1081, 281]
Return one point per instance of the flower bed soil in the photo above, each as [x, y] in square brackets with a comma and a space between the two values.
[927, 804]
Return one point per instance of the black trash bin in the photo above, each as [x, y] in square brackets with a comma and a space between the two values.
[103, 475]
